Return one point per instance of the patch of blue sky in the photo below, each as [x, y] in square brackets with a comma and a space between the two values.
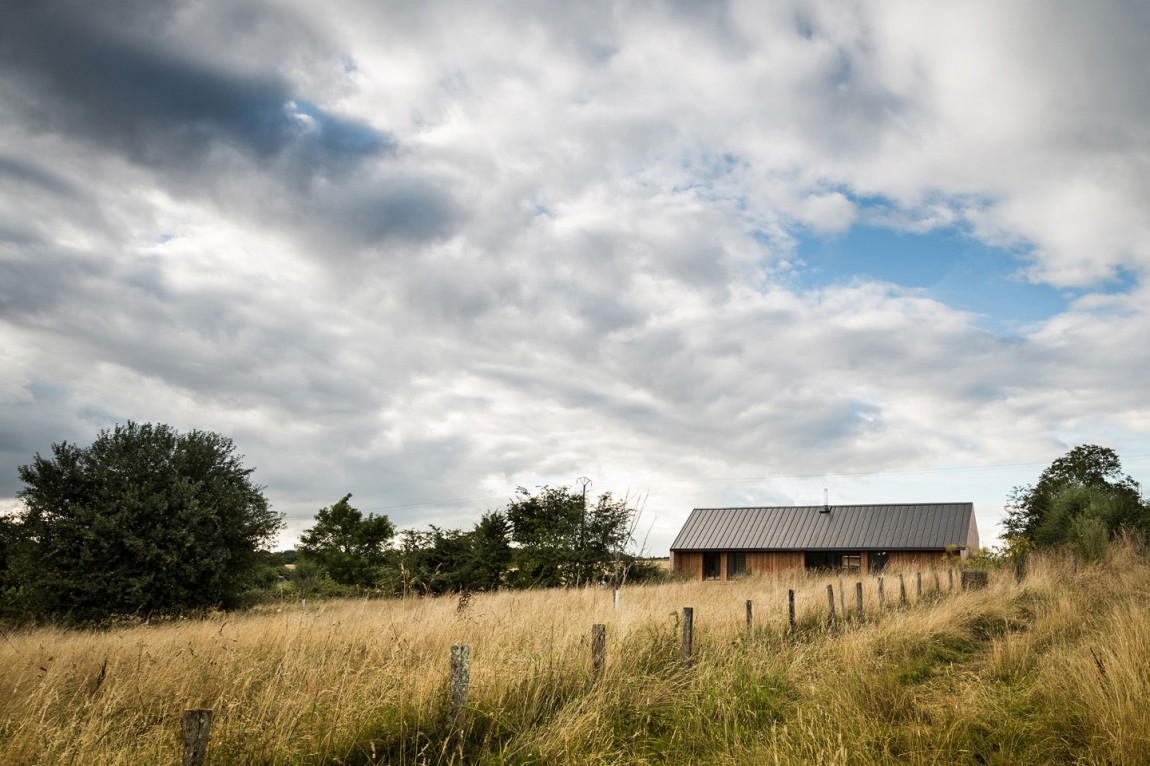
[944, 264]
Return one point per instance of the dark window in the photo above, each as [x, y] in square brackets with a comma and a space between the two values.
[737, 565]
[876, 560]
[712, 564]
[832, 559]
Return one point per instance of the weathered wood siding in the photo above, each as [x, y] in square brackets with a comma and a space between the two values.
[914, 559]
[777, 562]
[774, 562]
[689, 562]
[759, 562]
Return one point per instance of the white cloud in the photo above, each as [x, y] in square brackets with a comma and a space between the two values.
[521, 244]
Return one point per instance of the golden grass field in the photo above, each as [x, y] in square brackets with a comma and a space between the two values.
[1055, 670]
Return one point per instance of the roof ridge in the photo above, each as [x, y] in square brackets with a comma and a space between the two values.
[832, 505]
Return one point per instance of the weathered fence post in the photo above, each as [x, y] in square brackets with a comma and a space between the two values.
[831, 602]
[859, 599]
[937, 583]
[598, 650]
[460, 679]
[842, 597]
[1073, 563]
[791, 609]
[950, 577]
[901, 590]
[688, 634]
[750, 620]
[616, 598]
[918, 590]
[1017, 572]
[197, 731]
[881, 595]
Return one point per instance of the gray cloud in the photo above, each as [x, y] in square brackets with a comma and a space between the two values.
[425, 252]
[156, 107]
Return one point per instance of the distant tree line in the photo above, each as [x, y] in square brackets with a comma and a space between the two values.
[148, 521]
[549, 538]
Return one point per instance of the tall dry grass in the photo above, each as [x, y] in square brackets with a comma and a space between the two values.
[1052, 671]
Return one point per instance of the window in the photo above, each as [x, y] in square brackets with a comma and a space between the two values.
[712, 566]
[736, 565]
[852, 561]
[876, 560]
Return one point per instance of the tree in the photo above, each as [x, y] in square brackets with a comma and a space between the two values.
[1081, 496]
[490, 552]
[146, 520]
[563, 541]
[350, 547]
[450, 560]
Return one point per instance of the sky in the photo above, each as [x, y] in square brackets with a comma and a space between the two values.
[700, 253]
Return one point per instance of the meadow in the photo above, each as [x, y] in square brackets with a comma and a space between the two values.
[1055, 669]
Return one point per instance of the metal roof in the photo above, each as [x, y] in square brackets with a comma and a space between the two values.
[844, 527]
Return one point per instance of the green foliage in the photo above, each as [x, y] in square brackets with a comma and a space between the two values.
[350, 548]
[559, 539]
[490, 551]
[290, 556]
[1082, 495]
[564, 541]
[146, 521]
[449, 561]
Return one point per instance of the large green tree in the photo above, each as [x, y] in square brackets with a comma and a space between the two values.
[146, 520]
[351, 547]
[1081, 497]
[564, 540]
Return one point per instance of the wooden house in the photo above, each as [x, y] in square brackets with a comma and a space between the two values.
[722, 543]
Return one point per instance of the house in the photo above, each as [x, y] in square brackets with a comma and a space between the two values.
[721, 543]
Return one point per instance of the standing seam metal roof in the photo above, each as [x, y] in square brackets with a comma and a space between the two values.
[852, 527]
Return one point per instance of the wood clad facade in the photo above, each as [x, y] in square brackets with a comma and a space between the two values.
[772, 562]
[778, 562]
[723, 543]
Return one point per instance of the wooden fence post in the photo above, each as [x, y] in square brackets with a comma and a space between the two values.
[950, 577]
[616, 598]
[1073, 563]
[859, 599]
[197, 730]
[598, 650]
[918, 579]
[842, 597]
[901, 590]
[750, 620]
[460, 679]
[881, 595]
[688, 634]
[831, 602]
[1018, 572]
[791, 609]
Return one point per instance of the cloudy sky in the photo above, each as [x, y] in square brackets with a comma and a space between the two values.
[701, 253]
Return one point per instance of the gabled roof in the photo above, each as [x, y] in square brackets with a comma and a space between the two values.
[844, 527]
